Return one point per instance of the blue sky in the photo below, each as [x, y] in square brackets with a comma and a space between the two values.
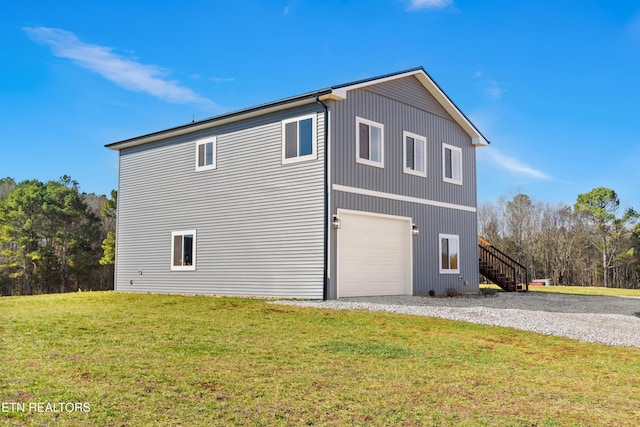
[554, 85]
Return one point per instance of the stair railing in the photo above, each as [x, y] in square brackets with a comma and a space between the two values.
[503, 266]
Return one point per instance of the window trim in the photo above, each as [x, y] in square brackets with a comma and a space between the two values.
[415, 137]
[444, 163]
[183, 233]
[442, 270]
[203, 141]
[369, 162]
[314, 139]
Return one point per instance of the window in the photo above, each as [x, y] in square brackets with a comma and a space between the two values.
[369, 142]
[449, 254]
[206, 153]
[415, 154]
[183, 250]
[452, 164]
[299, 139]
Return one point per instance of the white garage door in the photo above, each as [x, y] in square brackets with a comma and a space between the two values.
[374, 255]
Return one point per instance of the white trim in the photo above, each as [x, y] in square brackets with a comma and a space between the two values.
[191, 267]
[369, 123]
[314, 139]
[336, 94]
[380, 215]
[448, 237]
[401, 198]
[444, 168]
[342, 92]
[476, 137]
[203, 141]
[416, 138]
[208, 124]
[409, 285]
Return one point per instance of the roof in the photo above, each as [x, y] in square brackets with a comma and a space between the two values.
[338, 92]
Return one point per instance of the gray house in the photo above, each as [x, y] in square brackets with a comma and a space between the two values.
[365, 188]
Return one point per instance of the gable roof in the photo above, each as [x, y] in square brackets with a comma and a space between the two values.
[338, 92]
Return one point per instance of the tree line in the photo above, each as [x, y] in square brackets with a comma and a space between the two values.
[53, 238]
[592, 243]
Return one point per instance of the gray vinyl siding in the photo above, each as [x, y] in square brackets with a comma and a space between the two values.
[432, 221]
[397, 117]
[402, 105]
[411, 92]
[259, 223]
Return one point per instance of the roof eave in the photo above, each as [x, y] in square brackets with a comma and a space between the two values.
[477, 139]
[333, 93]
[260, 110]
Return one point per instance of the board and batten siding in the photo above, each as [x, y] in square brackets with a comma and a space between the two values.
[259, 223]
[397, 116]
[432, 221]
[410, 91]
[404, 105]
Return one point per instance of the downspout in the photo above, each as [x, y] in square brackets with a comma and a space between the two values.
[325, 286]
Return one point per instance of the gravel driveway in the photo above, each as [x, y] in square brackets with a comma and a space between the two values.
[607, 320]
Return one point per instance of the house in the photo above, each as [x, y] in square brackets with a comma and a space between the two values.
[365, 188]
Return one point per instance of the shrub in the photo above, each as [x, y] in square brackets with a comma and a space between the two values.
[451, 292]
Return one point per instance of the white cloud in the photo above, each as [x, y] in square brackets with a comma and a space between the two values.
[514, 165]
[429, 4]
[125, 72]
[494, 90]
[222, 79]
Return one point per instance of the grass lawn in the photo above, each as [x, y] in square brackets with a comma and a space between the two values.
[138, 360]
[587, 290]
[578, 290]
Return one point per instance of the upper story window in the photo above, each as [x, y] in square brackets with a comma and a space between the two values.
[452, 164]
[183, 250]
[449, 254]
[299, 139]
[369, 142]
[206, 153]
[415, 154]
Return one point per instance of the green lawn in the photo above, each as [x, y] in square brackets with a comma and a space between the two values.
[579, 290]
[138, 360]
[587, 290]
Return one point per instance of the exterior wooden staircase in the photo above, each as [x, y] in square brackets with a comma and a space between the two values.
[501, 269]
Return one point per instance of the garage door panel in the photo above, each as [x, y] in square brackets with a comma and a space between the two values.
[374, 255]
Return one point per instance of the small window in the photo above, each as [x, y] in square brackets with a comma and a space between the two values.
[369, 142]
[299, 139]
[452, 164]
[206, 153]
[415, 154]
[183, 250]
[449, 254]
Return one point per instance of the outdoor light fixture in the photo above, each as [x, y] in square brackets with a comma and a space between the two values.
[335, 222]
[415, 231]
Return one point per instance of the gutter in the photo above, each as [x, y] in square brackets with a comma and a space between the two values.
[325, 275]
[188, 128]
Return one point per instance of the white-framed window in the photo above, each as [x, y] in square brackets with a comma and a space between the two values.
[206, 153]
[369, 142]
[183, 250]
[414, 151]
[451, 164]
[299, 139]
[449, 254]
